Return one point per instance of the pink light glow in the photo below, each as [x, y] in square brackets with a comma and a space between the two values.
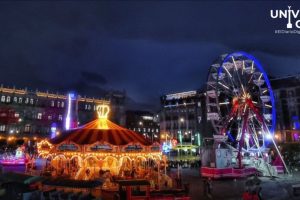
[68, 118]
[19, 161]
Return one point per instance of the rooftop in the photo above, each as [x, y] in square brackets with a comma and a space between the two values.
[285, 81]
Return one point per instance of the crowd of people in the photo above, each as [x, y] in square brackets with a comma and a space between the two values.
[184, 163]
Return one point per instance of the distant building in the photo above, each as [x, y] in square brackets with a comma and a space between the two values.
[117, 105]
[27, 113]
[183, 117]
[143, 122]
[287, 98]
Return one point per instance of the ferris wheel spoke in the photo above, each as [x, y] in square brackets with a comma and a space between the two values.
[237, 73]
[229, 74]
[226, 92]
[264, 91]
[251, 77]
[230, 80]
[229, 85]
[224, 86]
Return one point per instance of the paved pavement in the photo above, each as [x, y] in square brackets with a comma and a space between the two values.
[279, 188]
[272, 189]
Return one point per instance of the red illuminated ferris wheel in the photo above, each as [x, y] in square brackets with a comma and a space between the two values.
[240, 101]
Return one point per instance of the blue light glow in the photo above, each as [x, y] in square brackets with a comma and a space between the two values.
[166, 147]
[53, 130]
[230, 136]
[296, 122]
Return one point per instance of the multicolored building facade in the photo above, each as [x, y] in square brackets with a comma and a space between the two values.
[34, 113]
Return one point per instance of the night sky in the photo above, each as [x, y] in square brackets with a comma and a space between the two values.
[145, 48]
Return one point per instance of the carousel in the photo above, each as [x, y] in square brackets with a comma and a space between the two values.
[98, 147]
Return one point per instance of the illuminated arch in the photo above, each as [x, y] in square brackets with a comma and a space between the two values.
[140, 162]
[59, 161]
[156, 157]
[113, 157]
[60, 156]
[43, 155]
[149, 157]
[143, 157]
[49, 156]
[111, 163]
[124, 165]
[87, 159]
[127, 157]
[80, 160]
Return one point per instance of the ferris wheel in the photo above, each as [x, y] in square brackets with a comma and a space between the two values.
[240, 101]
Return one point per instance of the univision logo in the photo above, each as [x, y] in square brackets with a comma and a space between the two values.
[287, 14]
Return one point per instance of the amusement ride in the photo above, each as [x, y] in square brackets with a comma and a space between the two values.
[241, 108]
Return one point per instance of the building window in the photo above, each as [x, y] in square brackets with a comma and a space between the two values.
[8, 99]
[2, 128]
[62, 104]
[27, 100]
[27, 128]
[31, 101]
[58, 104]
[20, 99]
[52, 103]
[39, 115]
[86, 106]
[60, 117]
[3, 99]
[16, 99]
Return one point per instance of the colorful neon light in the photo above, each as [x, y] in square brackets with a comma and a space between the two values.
[180, 137]
[198, 139]
[18, 159]
[68, 118]
[166, 147]
[53, 130]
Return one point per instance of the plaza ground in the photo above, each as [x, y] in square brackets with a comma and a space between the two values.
[279, 188]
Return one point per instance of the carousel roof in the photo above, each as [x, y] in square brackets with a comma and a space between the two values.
[101, 130]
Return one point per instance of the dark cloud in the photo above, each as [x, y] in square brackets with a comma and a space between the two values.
[147, 48]
[94, 77]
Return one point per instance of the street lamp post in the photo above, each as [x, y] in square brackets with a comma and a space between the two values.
[151, 136]
[198, 141]
[181, 120]
[180, 136]
[142, 130]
